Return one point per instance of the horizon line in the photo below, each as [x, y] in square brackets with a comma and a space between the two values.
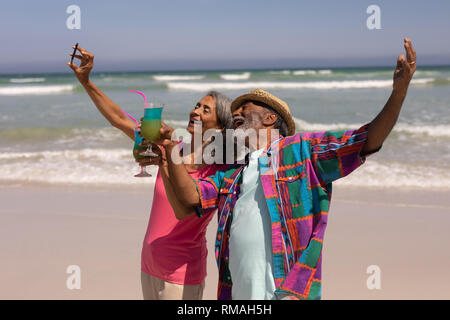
[206, 69]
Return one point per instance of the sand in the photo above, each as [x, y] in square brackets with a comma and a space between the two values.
[44, 229]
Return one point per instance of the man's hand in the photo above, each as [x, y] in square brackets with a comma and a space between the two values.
[160, 160]
[405, 68]
[87, 63]
[166, 137]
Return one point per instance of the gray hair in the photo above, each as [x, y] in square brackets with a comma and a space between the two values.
[223, 108]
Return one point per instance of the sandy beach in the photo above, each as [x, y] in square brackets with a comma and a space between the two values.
[47, 228]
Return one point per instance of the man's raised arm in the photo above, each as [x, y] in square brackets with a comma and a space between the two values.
[381, 126]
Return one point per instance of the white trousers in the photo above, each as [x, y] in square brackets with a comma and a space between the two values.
[157, 289]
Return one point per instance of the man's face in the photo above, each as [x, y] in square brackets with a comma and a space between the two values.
[249, 120]
[248, 116]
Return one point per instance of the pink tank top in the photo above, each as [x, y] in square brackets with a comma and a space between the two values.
[175, 250]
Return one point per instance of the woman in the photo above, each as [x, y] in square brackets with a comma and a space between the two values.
[173, 261]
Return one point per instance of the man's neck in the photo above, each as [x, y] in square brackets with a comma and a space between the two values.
[265, 138]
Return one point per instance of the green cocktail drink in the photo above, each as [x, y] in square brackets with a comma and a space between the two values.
[137, 150]
[150, 126]
[150, 129]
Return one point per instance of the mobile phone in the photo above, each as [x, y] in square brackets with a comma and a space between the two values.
[74, 51]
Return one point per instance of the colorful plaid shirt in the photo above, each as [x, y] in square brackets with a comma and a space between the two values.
[296, 174]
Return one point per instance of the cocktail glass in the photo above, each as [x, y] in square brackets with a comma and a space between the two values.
[150, 126]
[137, 150]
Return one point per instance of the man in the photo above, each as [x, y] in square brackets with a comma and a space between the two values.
[273, 209]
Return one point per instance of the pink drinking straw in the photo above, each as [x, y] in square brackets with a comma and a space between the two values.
[146, 105]
[137, 123]
[145, 98]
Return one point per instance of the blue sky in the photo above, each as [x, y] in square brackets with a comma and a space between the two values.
[212, 34]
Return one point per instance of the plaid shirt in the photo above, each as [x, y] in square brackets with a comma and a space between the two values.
[296, 174]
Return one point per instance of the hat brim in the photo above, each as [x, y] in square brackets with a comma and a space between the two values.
[276, 105]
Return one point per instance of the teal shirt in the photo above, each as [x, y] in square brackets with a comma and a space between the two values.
[250, 260]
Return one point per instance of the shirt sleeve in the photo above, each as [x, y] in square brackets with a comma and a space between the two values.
[335, 154]
[208, 190]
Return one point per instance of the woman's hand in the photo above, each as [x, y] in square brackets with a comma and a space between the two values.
[87, 63]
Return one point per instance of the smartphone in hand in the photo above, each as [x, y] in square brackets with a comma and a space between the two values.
[74, 51]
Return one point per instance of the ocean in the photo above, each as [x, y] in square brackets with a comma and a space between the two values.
[51, 132]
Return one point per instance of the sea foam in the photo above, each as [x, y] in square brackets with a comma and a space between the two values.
[35, 90]
[177, 77]
[240, 76]
[117, 167]
[431, 131]
[384, 174]
[26, 80]
[320, 85]
[86, 166]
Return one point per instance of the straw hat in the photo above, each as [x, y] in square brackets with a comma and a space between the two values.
[265, 97]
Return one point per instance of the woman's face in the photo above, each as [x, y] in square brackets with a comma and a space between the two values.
[204, 111]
